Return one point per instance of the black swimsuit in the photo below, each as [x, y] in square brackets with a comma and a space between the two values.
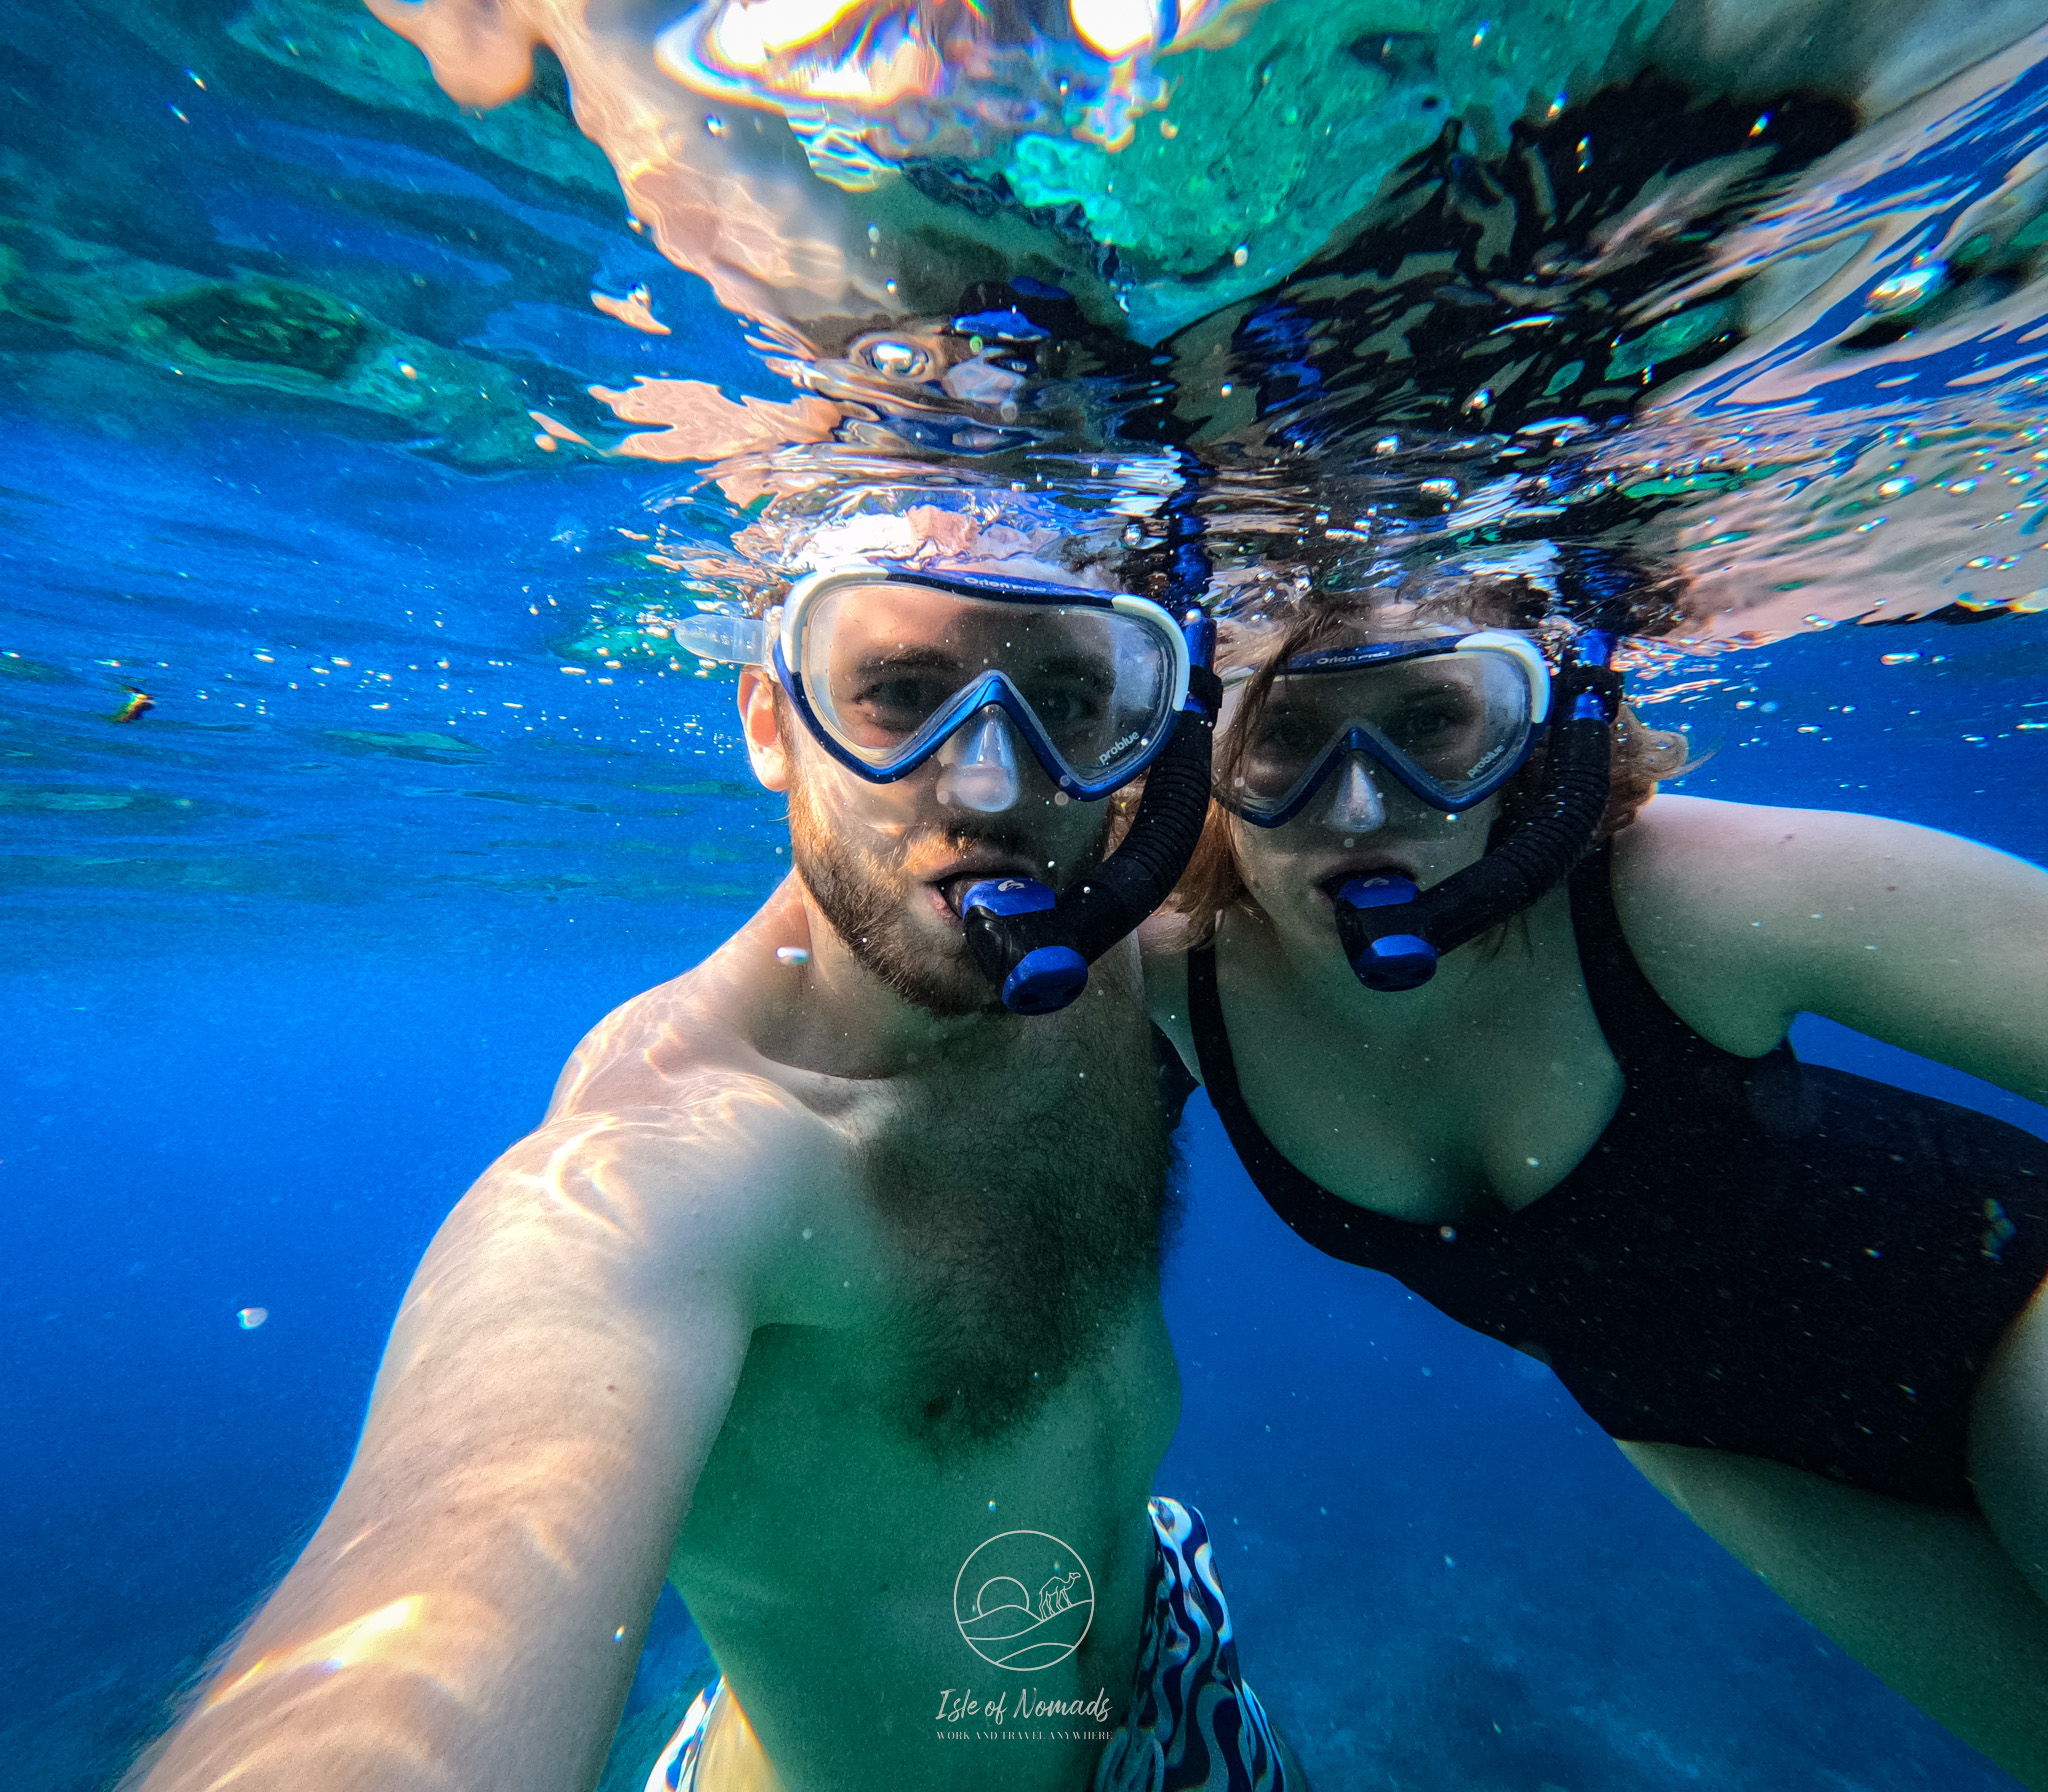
[1756, 1255]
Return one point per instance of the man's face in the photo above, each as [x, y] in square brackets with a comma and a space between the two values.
[887, 863]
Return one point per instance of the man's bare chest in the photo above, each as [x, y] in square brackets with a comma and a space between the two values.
[827, 1510]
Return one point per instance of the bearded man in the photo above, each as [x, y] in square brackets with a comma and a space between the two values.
[828, 1290]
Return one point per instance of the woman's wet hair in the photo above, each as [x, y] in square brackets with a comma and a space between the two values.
[1643, 756]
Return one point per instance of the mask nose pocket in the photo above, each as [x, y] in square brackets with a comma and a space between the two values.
[979, 766]
[1355, 806]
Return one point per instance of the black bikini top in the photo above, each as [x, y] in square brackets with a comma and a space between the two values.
[1755, 1255]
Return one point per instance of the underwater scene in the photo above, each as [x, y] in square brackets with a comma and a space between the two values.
[454, 457]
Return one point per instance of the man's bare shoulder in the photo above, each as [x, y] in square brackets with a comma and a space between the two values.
[654, 1051]
[712, 1188]
[672, 1125]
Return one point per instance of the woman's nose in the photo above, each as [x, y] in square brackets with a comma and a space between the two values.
[980, 766]
[1355, 806]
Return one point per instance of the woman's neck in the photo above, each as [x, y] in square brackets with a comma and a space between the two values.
[1482, 984]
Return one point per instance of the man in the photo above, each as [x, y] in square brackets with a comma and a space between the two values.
[828, 1288]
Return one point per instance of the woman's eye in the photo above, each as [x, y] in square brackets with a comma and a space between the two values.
[1429, 721]
[1284, 734]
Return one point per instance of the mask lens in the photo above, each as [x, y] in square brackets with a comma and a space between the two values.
[884, 664]
[1447, 725]
[1289, 736]
[1454, 721]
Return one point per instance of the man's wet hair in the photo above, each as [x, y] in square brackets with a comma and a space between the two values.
[941, 528]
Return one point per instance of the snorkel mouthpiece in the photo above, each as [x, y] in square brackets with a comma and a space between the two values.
[1046, 978]
[1388, 960]
[1393, 936]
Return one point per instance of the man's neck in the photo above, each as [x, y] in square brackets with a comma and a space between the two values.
[837, 1017]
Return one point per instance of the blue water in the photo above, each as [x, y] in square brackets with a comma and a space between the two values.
[293, 955]
[1424, 1539]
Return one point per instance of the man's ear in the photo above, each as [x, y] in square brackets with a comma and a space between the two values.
[762, 725]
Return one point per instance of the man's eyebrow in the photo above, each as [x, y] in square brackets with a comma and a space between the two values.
[905, 656]
[1076, 664]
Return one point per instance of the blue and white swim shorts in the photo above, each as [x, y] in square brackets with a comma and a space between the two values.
[1193, 1724]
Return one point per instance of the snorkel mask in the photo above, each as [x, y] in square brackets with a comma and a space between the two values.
[891, 666]
[1452, 719]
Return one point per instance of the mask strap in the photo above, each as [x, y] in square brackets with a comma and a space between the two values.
[724, 638]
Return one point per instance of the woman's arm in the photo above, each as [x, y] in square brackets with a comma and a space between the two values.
[1744, 917]
[1166, 983]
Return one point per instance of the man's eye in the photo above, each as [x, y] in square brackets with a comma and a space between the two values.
[1064, 705]
[902, 700]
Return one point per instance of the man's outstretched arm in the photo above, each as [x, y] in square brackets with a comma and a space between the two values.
[469, 1613]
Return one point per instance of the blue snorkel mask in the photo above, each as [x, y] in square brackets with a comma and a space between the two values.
[1450, 718]
[891, 667]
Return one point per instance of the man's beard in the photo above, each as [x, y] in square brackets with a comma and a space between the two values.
[867, 912]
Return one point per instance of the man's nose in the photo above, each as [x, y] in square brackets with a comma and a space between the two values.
[1355, 806]
[980, 766]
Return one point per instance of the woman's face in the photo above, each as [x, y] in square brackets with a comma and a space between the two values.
[1361, 820]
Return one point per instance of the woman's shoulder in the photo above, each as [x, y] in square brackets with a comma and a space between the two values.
[1742, 862]
[1742, 914]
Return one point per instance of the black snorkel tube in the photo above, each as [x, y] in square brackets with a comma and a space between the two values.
[1392, 934]
[1036, 946]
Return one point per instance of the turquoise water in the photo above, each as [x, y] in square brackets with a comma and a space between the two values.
[421, 793]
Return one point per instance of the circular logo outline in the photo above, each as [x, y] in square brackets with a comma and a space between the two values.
[1053, 1599]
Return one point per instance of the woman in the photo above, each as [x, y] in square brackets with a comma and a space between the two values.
[1802, 1303]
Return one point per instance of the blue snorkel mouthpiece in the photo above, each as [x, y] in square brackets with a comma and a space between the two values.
[1393, 935]
[1388, 960]
[1046, 978]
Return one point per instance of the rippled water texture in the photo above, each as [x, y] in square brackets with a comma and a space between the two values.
[335, 395]
[368, 423]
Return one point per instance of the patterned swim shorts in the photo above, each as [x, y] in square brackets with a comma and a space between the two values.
[1193, 1725]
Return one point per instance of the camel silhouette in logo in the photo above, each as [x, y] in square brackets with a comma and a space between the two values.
[1056, 1595]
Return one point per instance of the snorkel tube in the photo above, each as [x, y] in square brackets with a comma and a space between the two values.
[1036, 946]
[1394, 936]
[1391, 934]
